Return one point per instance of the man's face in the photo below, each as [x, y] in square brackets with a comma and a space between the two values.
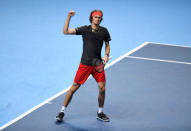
[96, 20]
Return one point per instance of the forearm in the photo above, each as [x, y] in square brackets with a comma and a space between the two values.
[107, 49]
[66, 29]
[66, 25]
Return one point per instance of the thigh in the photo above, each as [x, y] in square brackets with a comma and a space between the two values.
[99, 76]
[82, 74]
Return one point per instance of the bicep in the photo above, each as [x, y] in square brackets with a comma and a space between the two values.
[71, 31]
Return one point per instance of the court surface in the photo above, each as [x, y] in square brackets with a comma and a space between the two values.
[148, 89]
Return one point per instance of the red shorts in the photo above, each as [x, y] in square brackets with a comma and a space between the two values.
[84, 72]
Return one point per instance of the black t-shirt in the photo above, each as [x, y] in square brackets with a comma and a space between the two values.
[92, 42]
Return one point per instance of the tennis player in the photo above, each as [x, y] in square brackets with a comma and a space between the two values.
[93, 36]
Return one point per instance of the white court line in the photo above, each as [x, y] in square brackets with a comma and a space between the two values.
[127, 54]
[168, 44]
[142, 58]
[65, 90]
[33, 109]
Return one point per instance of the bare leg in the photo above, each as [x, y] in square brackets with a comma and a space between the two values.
[101, 99]
[101, 96]
[70, 93]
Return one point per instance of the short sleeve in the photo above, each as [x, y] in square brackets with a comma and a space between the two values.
[81, 30]
[107, 37]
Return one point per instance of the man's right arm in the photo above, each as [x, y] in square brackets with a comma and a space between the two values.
[66, 25]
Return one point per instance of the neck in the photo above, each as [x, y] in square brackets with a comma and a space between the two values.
[94, 26]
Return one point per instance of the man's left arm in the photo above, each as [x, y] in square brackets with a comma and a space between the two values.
[107, 51]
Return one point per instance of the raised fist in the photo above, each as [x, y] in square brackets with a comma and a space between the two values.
[71, 13]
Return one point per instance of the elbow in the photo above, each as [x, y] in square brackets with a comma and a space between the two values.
[64, 32]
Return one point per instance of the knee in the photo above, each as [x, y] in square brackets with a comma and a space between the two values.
[74, 87]
[102, 89]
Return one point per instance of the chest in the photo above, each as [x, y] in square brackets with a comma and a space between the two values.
[94, 36]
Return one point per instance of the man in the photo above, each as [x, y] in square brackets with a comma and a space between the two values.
[93, 37]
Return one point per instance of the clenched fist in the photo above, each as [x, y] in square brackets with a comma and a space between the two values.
[71, 13]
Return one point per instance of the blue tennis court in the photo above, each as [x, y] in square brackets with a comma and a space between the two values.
[148, 88]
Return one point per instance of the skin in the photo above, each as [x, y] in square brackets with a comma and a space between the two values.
[95, 25]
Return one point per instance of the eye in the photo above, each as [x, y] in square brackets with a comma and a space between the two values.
[97, 17]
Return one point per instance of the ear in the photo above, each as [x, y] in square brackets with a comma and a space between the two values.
[101, 19]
